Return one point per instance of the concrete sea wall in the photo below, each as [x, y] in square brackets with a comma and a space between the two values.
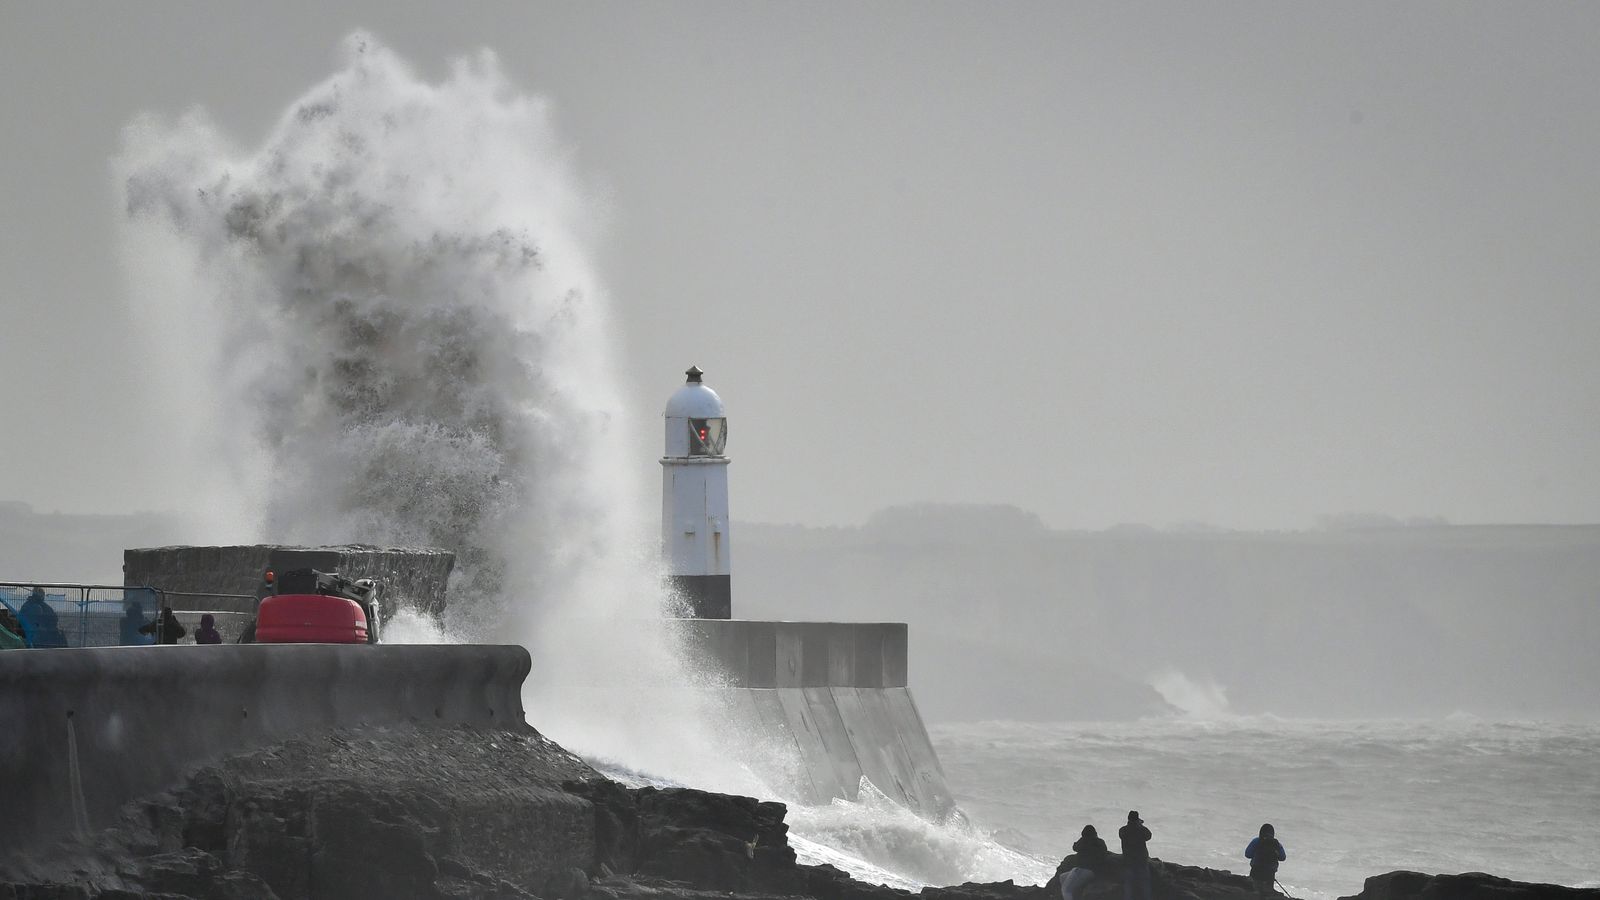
[86, 730]
[838, 692]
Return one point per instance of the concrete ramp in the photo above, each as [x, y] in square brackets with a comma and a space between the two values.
[84, 731]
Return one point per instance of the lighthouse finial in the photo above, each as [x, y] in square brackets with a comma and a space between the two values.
[694, 374]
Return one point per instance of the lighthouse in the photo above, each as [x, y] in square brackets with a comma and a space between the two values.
[694, 499]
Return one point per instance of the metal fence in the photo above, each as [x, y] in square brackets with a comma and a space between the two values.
[104, 615]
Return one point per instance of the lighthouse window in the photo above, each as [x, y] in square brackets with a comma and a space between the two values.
[707, 437]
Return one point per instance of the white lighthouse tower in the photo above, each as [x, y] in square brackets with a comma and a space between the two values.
[694, 499]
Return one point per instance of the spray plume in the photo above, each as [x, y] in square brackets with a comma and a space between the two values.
[381, 326]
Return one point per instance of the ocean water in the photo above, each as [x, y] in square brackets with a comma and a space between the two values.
[1348, 799]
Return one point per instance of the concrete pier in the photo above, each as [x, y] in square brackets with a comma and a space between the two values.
[838, 692]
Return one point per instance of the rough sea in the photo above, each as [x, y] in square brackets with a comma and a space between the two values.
[1349, 799]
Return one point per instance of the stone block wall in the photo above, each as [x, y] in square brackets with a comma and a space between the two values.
[414, 577]
[803, 654]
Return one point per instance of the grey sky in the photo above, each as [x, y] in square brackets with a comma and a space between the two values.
[1241, 263]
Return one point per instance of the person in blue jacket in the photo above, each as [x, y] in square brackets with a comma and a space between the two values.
[1264, 853]
[39, 624]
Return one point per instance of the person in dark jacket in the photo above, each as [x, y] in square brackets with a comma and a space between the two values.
[132, 620]
[1135, 858]
[39, 624]
[1264, 853]
[208, 633]
[1089, 855]
[165, 627]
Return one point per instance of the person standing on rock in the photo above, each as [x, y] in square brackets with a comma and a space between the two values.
[1135, 858]
[1089, 857]
[1264, 853]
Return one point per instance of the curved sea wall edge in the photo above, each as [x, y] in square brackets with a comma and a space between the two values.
[87, 730]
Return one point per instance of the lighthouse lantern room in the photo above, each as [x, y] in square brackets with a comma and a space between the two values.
[694, 500]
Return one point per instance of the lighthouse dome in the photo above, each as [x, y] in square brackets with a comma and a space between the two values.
[696, 422]
[694, 400]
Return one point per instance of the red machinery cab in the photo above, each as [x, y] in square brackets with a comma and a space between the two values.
[314, 607]
[310, 619]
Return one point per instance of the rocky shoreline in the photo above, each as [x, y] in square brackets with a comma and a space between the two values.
[459, 812]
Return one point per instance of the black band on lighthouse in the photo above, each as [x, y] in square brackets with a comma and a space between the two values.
[708, 596]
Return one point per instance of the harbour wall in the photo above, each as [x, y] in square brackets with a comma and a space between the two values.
[838, 693]
[87, 730]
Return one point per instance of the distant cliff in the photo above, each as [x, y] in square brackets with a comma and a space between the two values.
[44, 546]
[1009, 619]
[1012, 620]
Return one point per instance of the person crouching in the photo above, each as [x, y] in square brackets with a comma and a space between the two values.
[1089, 857]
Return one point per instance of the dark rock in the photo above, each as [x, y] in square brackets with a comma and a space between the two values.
[348, 815]
[827, 882]
[466, 814]
[1168, 881]
[616, 823]
[46, 891]
[1468, 886]
[455, 868]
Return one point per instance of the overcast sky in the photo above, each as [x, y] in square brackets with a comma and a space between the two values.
[1238, 263]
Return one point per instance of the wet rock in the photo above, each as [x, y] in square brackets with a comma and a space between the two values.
[475, 815]
[713, 841]
[827, 882]
[1468, 886]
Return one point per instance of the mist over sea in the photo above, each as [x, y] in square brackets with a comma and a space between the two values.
[1349, 799]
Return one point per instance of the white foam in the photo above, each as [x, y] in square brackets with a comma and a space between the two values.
[1197, 698]
[876, 839]
[382, 325]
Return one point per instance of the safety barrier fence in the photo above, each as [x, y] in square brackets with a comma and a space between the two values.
[54, 614]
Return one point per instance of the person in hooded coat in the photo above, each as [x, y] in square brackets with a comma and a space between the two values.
[208, 634]
[1264, 853]
[1091, 855]
[39, 624]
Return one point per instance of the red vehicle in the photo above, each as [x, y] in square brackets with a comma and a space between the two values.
[311, 607]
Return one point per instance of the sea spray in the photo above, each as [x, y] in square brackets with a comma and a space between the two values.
[877, 839]
[381, 325]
